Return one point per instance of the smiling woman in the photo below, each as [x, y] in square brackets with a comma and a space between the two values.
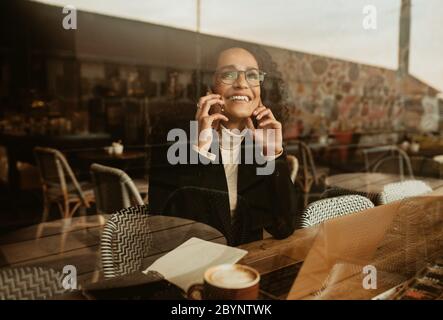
[273, 90]
[231, 195]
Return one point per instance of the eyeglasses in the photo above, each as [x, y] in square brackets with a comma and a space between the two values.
[253, 76]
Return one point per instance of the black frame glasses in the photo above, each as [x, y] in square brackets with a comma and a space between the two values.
[229, 76]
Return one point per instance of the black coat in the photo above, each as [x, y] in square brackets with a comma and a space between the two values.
[199, 192]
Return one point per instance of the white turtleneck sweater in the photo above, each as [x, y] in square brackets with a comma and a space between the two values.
[230, 145]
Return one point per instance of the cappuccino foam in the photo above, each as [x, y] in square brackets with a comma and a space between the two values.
[232, 277]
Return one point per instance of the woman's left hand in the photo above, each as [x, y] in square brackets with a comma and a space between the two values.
[266, 121]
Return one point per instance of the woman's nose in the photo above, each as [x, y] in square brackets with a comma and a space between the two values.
[241, 81]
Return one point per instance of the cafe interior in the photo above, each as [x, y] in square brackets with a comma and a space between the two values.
[89, 91]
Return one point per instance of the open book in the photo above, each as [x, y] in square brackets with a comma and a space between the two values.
[186, 264]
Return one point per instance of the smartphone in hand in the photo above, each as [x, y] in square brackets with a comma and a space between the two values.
[216, 108]
[254, 118]
[254, 121]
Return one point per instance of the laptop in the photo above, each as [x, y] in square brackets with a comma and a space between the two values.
[341, 247]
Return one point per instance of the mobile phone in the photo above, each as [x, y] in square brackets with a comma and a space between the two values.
[254, 121]
[216, 108]
[254, 118]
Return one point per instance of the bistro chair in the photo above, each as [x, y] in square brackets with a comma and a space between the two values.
[126, 240]
[30, 283]
[308, 173]
[293, 166]
[114, 189]
[402, 190]
[388, 159]
[330, 208]
[60, 186]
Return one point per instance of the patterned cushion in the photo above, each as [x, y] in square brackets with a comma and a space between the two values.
[126, 240]
[325, 209]
[337, 192]
[27, 283]
[405, 189]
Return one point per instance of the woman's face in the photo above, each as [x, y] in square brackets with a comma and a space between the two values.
[241, 98]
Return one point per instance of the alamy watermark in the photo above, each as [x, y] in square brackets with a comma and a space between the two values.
[253, 147]
[69, 281]
[70, 20]
[370, 280]
[370, 17]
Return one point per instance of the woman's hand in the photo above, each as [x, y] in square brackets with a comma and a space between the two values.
[206, 122]
[272, 144]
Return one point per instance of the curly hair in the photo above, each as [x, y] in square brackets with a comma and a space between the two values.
[274, 91]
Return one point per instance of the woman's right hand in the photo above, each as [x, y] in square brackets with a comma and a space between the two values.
[207, 121]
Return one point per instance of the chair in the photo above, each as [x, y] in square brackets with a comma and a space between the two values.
[326, 209]
[402, 190]
[30, 283]
[309, 174]
[142, 185]
[114, 189]
[383, 160]
[438, 163]
[293, 166]
[126, 240]
[60, 186]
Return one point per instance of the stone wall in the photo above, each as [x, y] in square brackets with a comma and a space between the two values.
[328, 95]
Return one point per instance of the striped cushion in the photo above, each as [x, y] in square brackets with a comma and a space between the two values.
[326, 209]
[27, 283]
[126, 240]
[402, 190]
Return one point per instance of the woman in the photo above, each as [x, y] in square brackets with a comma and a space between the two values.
[225, 190]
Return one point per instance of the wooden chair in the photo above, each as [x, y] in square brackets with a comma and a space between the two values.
[60, 187]
[309, 174]
[293, 166]
[388, 159]
[114, 189]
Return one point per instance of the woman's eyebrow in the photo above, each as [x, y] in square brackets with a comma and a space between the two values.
[231, 66]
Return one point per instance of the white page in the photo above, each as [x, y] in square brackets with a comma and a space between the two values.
[186, 264]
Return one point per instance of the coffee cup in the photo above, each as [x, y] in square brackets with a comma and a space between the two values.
[227, 282]
[323, 140]
[415, 147]
[405, 145]
[109, 150]
[118, 148]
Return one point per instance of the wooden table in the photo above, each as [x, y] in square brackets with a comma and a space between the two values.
[103, 156]
[370, 184]
[427, 152]
[82, 248]
[82, 244]
[122, 161]
[129, 161]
